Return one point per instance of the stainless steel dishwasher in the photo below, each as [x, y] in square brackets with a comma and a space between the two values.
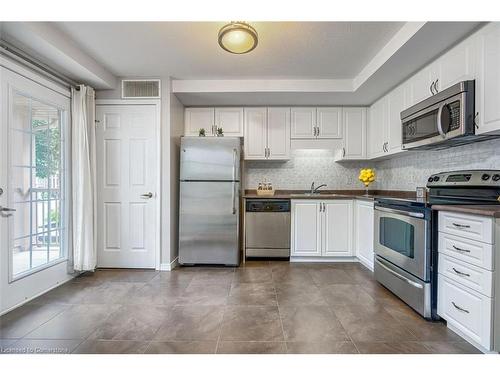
[267, 228]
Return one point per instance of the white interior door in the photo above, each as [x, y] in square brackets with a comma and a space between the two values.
[127, 160]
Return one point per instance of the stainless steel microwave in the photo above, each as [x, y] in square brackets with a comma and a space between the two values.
[444, 120]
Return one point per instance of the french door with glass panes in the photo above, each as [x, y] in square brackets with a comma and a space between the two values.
[33, 213]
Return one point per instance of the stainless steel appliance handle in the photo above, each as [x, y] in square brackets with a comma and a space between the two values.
[461, 226]
[417, 215]
[459, 249]
[439, 125]
[235, 154]
[460, 273]
[233, 197]
[412, 283]
[459, 308]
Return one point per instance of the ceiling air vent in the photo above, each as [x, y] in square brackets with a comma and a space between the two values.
[140, 88]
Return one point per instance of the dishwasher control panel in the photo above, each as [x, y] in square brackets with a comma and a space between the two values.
[267, 205]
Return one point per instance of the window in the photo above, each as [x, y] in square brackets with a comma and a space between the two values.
[37, 154]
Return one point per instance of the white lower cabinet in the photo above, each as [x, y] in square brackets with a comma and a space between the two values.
[337, 228]
[466, 310]
[363, 232]
[306, 228]
[466, 274]
[322, 228]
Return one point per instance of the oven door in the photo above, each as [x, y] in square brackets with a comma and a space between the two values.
[401, 238]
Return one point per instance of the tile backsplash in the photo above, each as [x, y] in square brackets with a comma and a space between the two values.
[403, 172]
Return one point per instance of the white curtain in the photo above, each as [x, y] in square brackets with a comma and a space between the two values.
[83, 170]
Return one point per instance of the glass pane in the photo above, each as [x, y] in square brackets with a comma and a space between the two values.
[397, 235]
[20, 148]
[39, 249]
[21, 255]
[21, 220]
[40, 222]
[36, 186]
[55, 245]
[20, 183]
[421, 127]
[21, 113]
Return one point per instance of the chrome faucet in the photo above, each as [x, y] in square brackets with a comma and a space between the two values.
[315, 189]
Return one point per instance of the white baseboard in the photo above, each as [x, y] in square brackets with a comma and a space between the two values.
[366, 264]
[169, 266]
[468, 339]
[323, 259]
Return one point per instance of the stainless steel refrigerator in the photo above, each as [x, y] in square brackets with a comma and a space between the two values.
[209, 200]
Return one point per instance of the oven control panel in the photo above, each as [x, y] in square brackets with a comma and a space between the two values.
[465, 178]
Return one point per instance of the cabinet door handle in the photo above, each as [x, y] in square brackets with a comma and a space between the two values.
[436, 86]
[461, 226]
[317, 127]
[459, 308]
[459, 249]
[431, 88]
[343, 152]
[460, 273]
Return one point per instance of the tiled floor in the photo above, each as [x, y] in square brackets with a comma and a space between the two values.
[262, 307]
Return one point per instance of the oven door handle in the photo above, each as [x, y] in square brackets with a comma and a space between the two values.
[394, 273]
[417, 215]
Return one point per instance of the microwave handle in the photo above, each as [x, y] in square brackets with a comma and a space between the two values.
[439, 124]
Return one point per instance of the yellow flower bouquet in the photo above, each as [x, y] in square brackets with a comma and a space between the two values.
[366, 176]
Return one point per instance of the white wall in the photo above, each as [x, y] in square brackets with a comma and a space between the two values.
[176, 130]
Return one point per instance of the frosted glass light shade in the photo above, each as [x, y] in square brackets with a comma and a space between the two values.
[238, 38]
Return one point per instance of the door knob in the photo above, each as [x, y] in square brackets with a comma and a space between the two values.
[147, 195]
[6, 209]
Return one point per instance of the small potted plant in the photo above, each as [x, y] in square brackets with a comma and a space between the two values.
[367, 176]
[201, 132]
[220, 132]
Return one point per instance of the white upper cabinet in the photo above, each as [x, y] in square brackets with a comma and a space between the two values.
[396, 104]
[337, 228]
[255, 146]
[329, 122]
[230, 119]
[303, 122]
[278, 133]
[488, 79]
[377, 128]
[306, 228]
[312, 122]
[422, 84]
[267, 133]
[199, 118]
[354, 121]
[456, 65]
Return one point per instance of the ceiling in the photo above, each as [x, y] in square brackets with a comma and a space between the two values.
[295, 63]
[189, 50]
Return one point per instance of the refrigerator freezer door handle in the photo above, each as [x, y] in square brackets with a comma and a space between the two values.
[233, 198]
[235, 154]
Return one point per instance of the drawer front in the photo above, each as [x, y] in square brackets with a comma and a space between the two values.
[471, 276]
[476, 253]
[467, 311]
[472, 227]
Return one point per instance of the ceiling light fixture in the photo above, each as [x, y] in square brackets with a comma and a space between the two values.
[238, 37]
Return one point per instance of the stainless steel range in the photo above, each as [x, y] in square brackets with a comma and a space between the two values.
[406, 234]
